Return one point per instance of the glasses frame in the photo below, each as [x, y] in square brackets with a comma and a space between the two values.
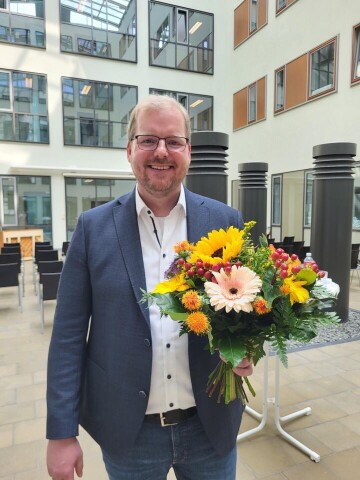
[157, 144]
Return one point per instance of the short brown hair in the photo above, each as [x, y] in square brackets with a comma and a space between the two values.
[157, 102]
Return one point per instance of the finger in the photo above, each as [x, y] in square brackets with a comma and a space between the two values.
[79, 465]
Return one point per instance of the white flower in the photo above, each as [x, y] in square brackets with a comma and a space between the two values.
[235, 290]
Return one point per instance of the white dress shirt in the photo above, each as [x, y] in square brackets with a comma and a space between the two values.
[170, 376]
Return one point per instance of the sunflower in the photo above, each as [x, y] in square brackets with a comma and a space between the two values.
[175, 284]
[218, 246]
[235, 290]
[294, 288]
[198, 323]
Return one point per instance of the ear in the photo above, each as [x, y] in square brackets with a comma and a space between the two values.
[128, 151]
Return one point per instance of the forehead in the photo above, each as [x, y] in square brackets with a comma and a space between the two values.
[161, 122]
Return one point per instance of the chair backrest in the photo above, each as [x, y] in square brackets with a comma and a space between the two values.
[288, 240]
[65, 247]
[9, 275]
[42, 243]
[297, 246]
[52, 266]
[43, 247]
[10, 258]
[10, 249]
[50, 284]
[46, 255]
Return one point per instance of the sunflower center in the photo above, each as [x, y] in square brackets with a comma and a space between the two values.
[233, 290]
[218, 252]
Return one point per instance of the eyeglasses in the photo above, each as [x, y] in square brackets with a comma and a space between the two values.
[151, 142]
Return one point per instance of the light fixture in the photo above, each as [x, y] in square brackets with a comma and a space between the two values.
[195, 27]
[196, 103]
[80, 7]
[86, 89]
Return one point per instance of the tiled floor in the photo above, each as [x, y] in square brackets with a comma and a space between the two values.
[327, 379]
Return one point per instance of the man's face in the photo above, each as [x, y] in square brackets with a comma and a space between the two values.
[159, 172]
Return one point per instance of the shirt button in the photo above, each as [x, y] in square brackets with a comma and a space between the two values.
[142, 394]
[164, 255]
[168, 345]
[147, 342]
[169, 376]
[171, 404]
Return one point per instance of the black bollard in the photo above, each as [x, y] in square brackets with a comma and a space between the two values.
[253, 196]
[207, 175]
[331, 218]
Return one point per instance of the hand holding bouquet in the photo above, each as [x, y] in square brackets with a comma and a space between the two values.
[240, 297]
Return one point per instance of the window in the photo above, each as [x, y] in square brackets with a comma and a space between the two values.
[355, 74]
[25, 201]
[96, 114]
[309, 180]
[100, 28]
[23, 107]
[322, 69]
[276, 181]
[249, 17]
[85, 193]
[307, 77]
[281, 5]
[279, 89]
[22, 22]
[200, 108]
[249, 104]
[181, 38]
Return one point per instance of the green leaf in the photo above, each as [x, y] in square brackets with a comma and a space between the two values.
[233, 350]
[307, 275]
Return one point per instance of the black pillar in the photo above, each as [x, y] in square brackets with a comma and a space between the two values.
[207, 175]
[331, 218]
[253, 196]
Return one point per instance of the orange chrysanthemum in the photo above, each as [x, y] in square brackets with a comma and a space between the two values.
[182, 246]
[191, 300]
[260, 306]
[198, 323]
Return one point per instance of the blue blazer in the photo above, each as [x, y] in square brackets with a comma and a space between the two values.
[100, 354]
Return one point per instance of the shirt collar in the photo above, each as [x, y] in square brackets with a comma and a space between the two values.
[141, 205]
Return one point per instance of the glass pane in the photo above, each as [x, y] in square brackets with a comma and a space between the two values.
[308, 199]
[252, 103]
[69, 131]
[68, 92]
[86, 94]
[253, 15]
[356, 216]
[33, 8]
[201, 112]
[281, 4]
[182, 26]
[322, 69]
[120, 187]
[5, 91]
[201, 27]
[103, 190]
[6, 126]
[161, 28]
[3, 4]
[102, 96]
[184, 58]
[4, 27]
[88, 132]
[357, 54]
[66, 43]
[276, 200]
[8, 200]
[279, 90]
[31, 128]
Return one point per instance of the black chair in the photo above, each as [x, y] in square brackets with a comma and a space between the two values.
[11, 249]
[43, 256]
[10, 277]
[48, 291]
[288, 240]
[53, 266]
[297, 246]
[303, 251]
[65, 247]
[355, 263]
[271, 240]
[6, 258]
[42, 243]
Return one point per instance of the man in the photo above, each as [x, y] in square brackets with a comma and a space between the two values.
[125, 375]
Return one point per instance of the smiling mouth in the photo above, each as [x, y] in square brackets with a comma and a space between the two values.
[160, 167]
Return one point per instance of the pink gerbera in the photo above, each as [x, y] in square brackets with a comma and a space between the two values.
[235, 290]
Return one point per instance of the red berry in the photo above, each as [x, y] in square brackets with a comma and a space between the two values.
[199, 263]
[228, 269]
[208, 275]
[322, 274]
[200, 271]
[181, 261]
[207, 265]
[283, 274]
[284, 266]
[284, 256]
[280, 250]
[296, 269]
[275, 255]
[294, 257]
[216, 267]
[278, 263]
[191, 273]
[188, 266]
[238, 263]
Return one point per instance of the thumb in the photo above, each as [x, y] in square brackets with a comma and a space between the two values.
[79, 467]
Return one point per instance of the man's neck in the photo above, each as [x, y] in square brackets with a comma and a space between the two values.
[160, 206]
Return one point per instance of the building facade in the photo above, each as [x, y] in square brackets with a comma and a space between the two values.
[278, 76]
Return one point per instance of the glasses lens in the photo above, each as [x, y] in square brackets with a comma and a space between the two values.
[147, 142]
[175, 144]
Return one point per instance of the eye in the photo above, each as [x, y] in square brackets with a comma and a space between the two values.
[148, 140]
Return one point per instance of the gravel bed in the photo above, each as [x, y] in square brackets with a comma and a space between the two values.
[340, 333]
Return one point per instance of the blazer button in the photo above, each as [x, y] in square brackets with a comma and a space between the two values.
[142, 394]
[147, 342]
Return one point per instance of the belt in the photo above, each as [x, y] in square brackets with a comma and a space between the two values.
[172, 417]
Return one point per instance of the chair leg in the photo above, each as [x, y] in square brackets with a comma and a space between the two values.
[42, 315]
[20, 297]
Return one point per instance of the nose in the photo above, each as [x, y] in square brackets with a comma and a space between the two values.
[161, 149]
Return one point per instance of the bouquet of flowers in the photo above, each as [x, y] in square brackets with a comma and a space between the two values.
[241, 296]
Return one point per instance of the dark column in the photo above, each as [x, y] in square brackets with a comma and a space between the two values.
[253, 196]
[331, 218]
[207, 175]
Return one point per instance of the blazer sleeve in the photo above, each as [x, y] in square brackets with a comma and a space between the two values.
[68, 341]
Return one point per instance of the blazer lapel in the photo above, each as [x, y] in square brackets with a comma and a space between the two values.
[125, 218]
[197, 217]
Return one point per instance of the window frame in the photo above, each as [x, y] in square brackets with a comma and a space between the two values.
[326, 89]
[279, 199]
[277, 71]
[355, 57]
